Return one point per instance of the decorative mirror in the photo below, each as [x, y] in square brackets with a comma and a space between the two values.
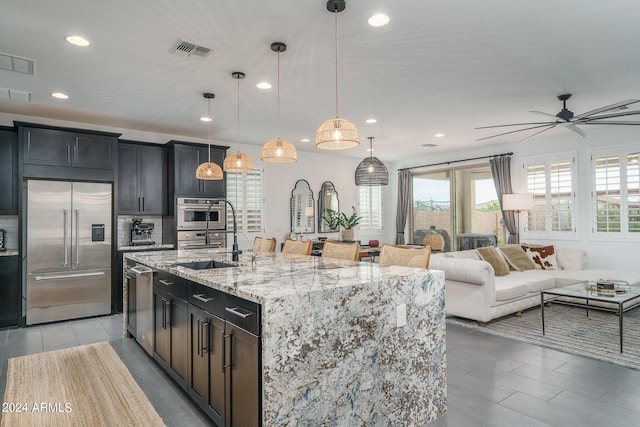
[303, 218]
[327, 199]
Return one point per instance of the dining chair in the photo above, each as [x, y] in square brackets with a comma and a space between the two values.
[434, 241]
[261, 244]
[339, 250]
[297, 247]
[405, 256]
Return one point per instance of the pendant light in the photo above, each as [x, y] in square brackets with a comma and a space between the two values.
[209, 171]
[238, 162]
[279, 150]
[338, 133]
[371, 171]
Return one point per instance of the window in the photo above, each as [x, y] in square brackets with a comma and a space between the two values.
[244, 191]
[370, 204]
[616, 194]
[551, 180]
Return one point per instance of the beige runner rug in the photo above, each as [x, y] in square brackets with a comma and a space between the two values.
[79, 386]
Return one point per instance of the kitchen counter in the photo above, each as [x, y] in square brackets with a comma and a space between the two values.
[331, 351]
[9, 252]
[146, 247]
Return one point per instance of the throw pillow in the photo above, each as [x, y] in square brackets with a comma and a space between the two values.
[544, 256]
[470, 254]
[493, 257]
[517, 258]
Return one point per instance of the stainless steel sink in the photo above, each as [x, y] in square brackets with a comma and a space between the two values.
[205, 265]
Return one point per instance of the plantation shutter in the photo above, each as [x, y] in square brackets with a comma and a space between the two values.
[370, 204]
[244, 191]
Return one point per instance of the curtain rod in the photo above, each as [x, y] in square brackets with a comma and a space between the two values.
[456, 161]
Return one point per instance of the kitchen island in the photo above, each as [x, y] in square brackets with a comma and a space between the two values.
[333, 348]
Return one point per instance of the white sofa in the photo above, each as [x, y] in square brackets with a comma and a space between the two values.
[474, 292]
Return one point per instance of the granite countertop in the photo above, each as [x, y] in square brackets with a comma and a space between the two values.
[9, 252]
[147, 247]
[269, 276]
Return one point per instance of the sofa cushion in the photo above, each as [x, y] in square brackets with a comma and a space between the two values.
[571, 259]
[493, 257]
[517, 258]
[508, 288]
[543, 256]
[536, 280]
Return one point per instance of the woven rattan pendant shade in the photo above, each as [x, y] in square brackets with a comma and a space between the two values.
[238, 162]
[371, 171]
[209, 171]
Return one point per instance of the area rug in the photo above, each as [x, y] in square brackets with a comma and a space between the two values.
[568, 329]
[79, 386]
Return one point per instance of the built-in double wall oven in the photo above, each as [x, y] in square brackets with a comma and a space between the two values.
[191, 222]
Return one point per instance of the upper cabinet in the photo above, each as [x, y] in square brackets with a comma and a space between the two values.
[142, 179]
[184, 159]
[67, 153]
[9, 172]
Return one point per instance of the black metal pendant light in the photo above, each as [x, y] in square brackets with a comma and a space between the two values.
[371, 171]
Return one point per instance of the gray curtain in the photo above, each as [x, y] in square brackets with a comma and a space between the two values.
[404, 199]
[501, 171]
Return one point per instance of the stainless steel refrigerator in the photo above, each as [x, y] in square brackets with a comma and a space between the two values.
[68, 260]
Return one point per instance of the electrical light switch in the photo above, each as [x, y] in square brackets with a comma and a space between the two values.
[401, 315]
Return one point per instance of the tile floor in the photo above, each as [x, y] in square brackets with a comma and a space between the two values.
[491, 381]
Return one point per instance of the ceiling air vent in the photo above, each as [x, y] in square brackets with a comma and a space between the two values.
[16, 64]
[190, 50]
[15, 94]
[429, 145]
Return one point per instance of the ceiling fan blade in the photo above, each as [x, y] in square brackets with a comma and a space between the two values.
[609, 116]
[537, 133]
[575, 129]
[556, 118]
[606, 108]
[519, 130]
[598, 122]
[516, 124]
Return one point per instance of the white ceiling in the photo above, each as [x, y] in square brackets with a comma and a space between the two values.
[438, 66]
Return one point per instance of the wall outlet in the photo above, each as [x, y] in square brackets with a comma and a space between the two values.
[401, 315]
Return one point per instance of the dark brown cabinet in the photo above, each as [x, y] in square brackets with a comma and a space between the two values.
[10, 307]
[142, 179]
[8, 172]
[242, 382]
[184, 160]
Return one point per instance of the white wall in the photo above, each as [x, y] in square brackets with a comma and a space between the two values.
[602, 254]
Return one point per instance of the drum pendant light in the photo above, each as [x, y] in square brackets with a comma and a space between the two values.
[338, 133]
[209, 171]
[279, 150]
[372, 171]
[238, 162]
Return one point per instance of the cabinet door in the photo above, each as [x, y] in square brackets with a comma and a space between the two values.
[9, 291]
[161, 335]
[179, 331]
[128, 182]
[213, 188]
[93, 151]
[46, 147]
[8, 172]
[198, 375]
[243, 378]
[187, 159]
[153, 180]
[216, 349]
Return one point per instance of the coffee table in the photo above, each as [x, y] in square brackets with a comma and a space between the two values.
[583, 293]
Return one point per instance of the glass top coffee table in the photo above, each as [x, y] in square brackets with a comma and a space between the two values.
[581, 294]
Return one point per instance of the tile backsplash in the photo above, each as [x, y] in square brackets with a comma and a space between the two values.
[124, 227]
[9, 224]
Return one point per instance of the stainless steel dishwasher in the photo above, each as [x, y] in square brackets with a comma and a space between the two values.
[144, 307]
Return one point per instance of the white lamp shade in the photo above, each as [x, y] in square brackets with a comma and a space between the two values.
[517, 202]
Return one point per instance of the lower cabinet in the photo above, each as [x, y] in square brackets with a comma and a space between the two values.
[171, 329]
[10, 307]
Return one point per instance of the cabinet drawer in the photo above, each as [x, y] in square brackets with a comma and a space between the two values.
[171, 284]
[242, 313]
[208, 299]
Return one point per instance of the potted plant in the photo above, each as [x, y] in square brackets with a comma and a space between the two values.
[332, 218]
[347, 223]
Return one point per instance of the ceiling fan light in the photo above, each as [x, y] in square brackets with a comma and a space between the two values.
[337, 134]
[279, 151]
[209, 171]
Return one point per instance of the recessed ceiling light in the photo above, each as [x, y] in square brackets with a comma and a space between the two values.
[370, 121]
[77, 41]
[305, 140]
[60, 95]
[439, 135]
[378, 20]
[206, 119]
[263, 85]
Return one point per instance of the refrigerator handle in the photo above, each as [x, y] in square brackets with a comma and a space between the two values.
[66, 242]
[77, 238]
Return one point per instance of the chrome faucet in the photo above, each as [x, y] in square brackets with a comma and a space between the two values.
[234, 251]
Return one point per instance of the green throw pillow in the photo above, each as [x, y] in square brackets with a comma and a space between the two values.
[494, 257]
[517, 258]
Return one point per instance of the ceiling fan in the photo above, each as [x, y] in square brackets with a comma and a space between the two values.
[567, 119]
